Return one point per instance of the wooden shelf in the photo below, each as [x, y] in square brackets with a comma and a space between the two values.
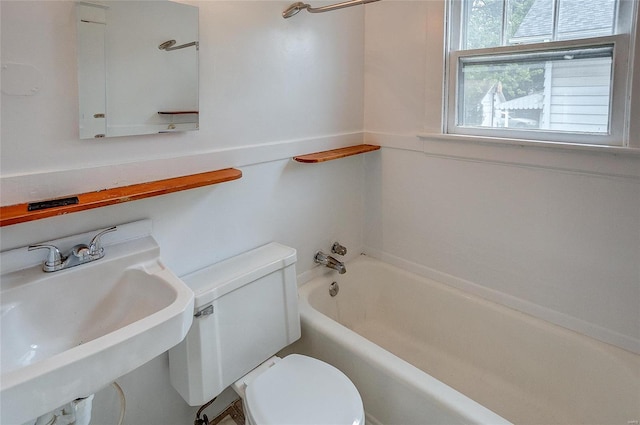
[14, 214]
[332, 154]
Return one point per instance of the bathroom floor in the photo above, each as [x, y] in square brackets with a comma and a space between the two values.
[232, 415]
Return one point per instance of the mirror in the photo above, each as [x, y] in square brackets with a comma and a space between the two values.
[137, 67]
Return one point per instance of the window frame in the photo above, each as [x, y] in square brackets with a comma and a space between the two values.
[621, 74]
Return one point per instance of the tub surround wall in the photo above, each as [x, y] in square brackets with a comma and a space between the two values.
[270, 89]
[551, 232]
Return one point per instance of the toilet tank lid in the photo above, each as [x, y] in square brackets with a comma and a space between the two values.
[216, 280]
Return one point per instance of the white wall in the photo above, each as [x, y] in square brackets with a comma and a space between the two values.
[269, 89]
[263, 79]
[553, 232]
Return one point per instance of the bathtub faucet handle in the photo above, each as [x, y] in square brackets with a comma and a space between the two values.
[339, 249]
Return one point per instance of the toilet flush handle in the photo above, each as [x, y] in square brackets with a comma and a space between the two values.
[204, 312]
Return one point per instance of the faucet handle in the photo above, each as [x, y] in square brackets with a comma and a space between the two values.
[320, 258]
[338, 249]
[95, 246]
[54, 257]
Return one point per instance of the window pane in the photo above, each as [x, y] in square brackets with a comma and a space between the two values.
[577, 19]
[535, 21]
[483, 23]
[557, 91]
[530, 21]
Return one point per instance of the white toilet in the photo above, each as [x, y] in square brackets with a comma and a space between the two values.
[246, 310]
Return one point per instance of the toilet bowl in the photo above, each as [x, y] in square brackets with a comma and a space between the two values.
[246, 310]
[299, 390]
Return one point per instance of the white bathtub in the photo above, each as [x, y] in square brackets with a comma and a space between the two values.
[408, 343]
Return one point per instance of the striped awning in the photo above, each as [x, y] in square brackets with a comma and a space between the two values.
[531, 101]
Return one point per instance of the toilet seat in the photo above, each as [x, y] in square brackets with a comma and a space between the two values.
[303, 391]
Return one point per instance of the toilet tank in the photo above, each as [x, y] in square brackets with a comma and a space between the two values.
[246, 310]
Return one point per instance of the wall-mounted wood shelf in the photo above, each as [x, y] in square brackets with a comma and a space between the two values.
[335, 154]
[14, 214]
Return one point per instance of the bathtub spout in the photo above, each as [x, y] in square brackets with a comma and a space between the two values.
[329, 261]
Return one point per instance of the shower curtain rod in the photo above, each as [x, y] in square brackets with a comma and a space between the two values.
[297, 7]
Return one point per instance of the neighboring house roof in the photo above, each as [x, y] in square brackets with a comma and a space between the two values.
[576, 18]
[531, 101]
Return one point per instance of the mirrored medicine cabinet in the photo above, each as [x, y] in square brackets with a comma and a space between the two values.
[137, 67]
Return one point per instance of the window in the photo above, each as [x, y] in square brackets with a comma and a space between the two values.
[545, 70]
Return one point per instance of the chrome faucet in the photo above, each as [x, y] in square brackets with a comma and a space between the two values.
[80, 254]
[329, 261]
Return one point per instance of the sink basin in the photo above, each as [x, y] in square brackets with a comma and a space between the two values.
[67, 334]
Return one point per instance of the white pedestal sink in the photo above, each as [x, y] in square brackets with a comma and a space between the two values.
[67, 334]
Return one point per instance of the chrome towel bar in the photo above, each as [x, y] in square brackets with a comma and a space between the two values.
[297, 7]
[169, 45]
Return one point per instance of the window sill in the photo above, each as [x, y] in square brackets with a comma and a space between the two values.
[605, 161]
[610, 161]
[614, 150]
